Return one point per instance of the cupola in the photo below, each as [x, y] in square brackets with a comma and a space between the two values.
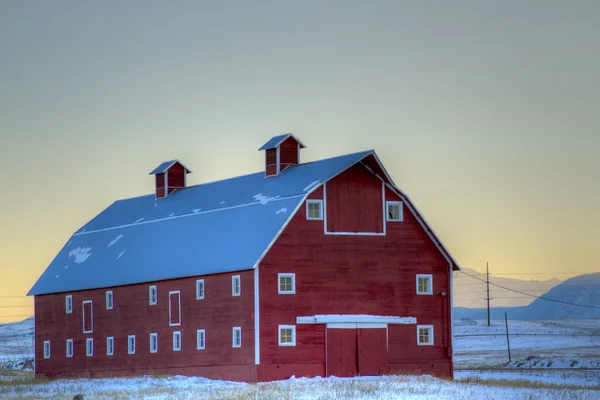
[169, 176]
[281, 152]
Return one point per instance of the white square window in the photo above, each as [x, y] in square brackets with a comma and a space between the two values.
[69, 348]
[110, 346]
[131, 344]
[89, 347]
[153, 295]
[287, 283]
[287, 335]
[68, 304]
[424, 284]
[200, 289]
[109, 300]
[236, 285]
[153, 342]
[425, 335]
[201, 339]
[237, 337]
[314, 209]
[46, 349]
[393, 211]
[177, 341]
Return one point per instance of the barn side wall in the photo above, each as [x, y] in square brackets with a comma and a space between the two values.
[217, 313]
[353, 274]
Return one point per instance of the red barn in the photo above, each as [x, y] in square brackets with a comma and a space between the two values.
[307, 269]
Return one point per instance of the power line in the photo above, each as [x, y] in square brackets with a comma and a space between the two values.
[533, 295]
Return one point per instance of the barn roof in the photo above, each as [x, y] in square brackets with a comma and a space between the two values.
[216, 227]
[163, 167]
[277, 140]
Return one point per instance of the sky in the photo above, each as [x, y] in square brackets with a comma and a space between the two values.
[485, 113]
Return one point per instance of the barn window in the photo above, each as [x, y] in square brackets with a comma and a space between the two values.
[314, 209]
[88, 317]
[287, 335]
[110, 346]
[424, 284]
[109, 300]
[394, 210]
[200, 339]
[236, 285]
[237, 337]
[131, 344]
[89, 347]
[287, 283]
[153, 295]
[425, 335]
[69, 347]
[46, 349]
[174, 308]
[153, 342]
[200, 289]
[177, 341]
[68, 304]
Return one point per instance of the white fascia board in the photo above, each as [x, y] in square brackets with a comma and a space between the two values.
[354, 318]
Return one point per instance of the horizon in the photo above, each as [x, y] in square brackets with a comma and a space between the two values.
[484, 114]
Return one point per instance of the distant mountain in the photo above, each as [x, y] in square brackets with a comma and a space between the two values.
[582, 289]
[470, 292]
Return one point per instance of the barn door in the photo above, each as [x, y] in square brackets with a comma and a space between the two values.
[372, 351]
[88, 317]
[174, 308]
[342, 357]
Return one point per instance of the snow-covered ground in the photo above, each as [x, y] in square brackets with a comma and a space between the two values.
[363, 388]
[16, 345]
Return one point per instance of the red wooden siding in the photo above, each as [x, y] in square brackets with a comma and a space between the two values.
[372, 351]
[176, 179]
[288, 153]
[342, 356]
[355, 202]
[217, 313]
[160, 185]
[353, 274]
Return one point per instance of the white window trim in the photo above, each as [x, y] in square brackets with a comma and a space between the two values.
[68, 353]
[430, 286]
[236, 329]
[111, 340]
[130, 350]
[286, 275]
[430, 327]
[89, 347]
[233, 285]
[400, 211]
[176, 334]
[198, 346]
[91, 318]
[150, 288]
[154, 339]
[198, 283]
[178, 323]
[320, 203]
[69, 304]
[293, 328]
[110, 300]
[46, 349]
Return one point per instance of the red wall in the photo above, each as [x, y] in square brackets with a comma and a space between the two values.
[288, 153]
[160, 185]
[217, 313]
[176, 177]
[350, 274]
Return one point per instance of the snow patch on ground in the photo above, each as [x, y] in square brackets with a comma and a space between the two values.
[310, 186]
[264, 199]
[80, 254]
[282, 210]
[115, 240]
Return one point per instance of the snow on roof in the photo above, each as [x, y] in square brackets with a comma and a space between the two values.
[277, 140]
[163, 167]
[216, 227]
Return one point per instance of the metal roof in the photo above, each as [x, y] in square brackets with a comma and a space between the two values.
[163, 167]
[216, 227]
[277, 140]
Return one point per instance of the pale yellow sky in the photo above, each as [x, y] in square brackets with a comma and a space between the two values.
[485, 113]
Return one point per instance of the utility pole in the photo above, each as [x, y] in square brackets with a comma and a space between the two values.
[507, 337]
[487, 281]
